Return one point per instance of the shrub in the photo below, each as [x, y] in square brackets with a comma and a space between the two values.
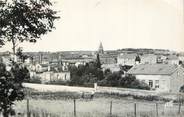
[34, 79]
[182, 89]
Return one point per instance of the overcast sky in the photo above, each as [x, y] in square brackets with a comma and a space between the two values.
[116, 23]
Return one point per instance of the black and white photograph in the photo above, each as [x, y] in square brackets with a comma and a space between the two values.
[91, 58]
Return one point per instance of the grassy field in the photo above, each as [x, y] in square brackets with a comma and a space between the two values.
[98, 107]
[58, 101]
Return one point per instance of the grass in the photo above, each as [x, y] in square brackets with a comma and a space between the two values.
[57, 101]
[98, 107]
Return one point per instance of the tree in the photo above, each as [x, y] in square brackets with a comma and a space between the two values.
[20, 20]
[20, 55]
[25, 20]
[107, 72]
[137, 59]
[98, 63]
[11, 86]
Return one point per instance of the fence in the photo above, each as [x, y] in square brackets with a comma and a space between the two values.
[100, 107]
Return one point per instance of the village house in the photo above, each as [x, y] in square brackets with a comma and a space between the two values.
[40, 67]
[172, 59]
[54, 76]
[126, 59]
[160, 77]
[107, 59]
[76, 61]
[161, 59]
[49, 72]
[148, 59]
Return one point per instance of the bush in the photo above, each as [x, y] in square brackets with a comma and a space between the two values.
[182, 89]
[35, 79]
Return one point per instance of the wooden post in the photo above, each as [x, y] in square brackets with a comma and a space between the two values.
[111, 108]
[28, 112]
[135, 110]
[74, 108]
[157, 109]
[179, 108]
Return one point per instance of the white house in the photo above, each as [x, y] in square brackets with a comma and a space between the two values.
[160, 77]
[41, 67]
[172, 59]
[126, 59]
[148, 59]
[54, 76]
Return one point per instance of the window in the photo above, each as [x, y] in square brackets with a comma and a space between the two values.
[156, 83]
[151, 83]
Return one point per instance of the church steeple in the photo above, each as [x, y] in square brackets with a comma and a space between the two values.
[100, 49]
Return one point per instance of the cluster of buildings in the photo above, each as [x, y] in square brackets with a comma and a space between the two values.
[161, 70]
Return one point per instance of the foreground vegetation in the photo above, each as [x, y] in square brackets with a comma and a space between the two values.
[98, 107]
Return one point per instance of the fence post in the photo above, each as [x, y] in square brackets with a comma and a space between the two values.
[179, 105]
[111, 108]
[135, 110]
[28, 112]
[157, 109]
[74, 108]
[179, 109]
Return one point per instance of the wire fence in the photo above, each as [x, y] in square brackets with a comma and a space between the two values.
[101, 107]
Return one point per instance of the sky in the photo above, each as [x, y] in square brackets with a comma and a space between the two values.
[116, 23]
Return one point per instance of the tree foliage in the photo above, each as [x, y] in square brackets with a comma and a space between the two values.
[98, 63]
[25, 20]
[182, 89]
[85, 74]
[11, 88]
[20, 20]
[20, 55]
[116, 80]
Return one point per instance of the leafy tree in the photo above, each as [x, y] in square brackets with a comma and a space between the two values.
[11, 86]
[25, 20]
[85, 74]
[20, 20]
[107, 72]
[182, 89]
[98, 63]
[111, 79]
[138, 59]
[20, 55]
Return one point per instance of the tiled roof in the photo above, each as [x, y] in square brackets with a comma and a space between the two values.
[153, 69]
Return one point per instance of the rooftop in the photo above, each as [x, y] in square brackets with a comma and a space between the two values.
[153, 69]
[127, 56]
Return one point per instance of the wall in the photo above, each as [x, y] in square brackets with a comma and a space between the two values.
[164, 81]
[122, 61]
[177, 79]
[65, 76]
[152, 59]
[52, 76]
